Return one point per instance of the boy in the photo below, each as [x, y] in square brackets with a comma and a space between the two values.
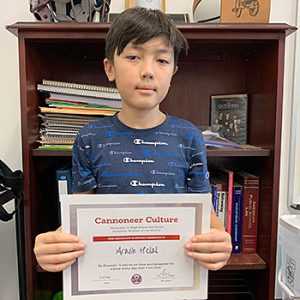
[141, 149]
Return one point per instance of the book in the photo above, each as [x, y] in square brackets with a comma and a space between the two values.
[55, 147]
[229, 115]
[78, 92]
[58, 130]
[65, 174]
[77, 111]
[220, 201]
[237, 213]
[227, 177]
[79, 86]
[58, 99]
[250, 185]
[214, 191]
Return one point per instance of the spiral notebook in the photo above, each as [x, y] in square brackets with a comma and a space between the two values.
[80, 90]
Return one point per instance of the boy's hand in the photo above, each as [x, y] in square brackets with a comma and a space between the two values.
[56, 250]
[211, 250]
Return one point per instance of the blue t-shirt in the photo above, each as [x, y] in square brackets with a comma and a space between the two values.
[113, 158]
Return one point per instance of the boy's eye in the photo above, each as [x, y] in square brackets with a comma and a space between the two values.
[163, 61]
[132, 57]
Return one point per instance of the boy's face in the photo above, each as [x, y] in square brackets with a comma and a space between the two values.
[142, 73]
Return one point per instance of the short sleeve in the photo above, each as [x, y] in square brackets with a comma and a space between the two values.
[83, 177]
[198, 175]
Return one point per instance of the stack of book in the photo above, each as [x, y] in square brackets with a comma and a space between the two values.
[235, 198]
[69, 107]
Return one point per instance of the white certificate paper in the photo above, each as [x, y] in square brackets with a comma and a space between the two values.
[135, 246]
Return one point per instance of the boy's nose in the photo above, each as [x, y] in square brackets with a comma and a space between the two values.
[147, 70]
[147, 75]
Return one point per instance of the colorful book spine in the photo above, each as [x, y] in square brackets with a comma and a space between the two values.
[237, 213]
[214, 196]
[222, 199]
[227, 177]
[229, 201]
[250, 185]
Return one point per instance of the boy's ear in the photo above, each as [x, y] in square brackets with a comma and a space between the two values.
[109, 69]
[175, 70]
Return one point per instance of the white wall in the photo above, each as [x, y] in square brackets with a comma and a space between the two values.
[10, 146]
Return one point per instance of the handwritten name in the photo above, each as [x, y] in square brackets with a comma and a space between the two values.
[142, 250]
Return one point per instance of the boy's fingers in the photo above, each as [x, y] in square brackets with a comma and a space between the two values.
[58, 248]
[208, 247]
[212, 236]
[56, 237]
[57, 267]
[56, 259]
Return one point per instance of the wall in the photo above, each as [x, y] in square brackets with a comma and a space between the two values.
[10, 146]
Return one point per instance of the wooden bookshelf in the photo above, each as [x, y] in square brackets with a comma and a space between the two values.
[223, 59]
[243, 261]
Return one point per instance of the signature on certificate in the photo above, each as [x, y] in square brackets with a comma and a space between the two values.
[164, 274]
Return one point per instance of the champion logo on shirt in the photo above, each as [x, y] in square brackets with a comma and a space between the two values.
[113, 133]
[111, 174]
[88, 134]
[107, 145]
[155, 172]
[182, 127]
[119, 153]
[155, 153]
[181, 146]
[136, 183]
[155, 144]
[92, 126]
[174, 164]
[139, 161]
[109, 186]
[166, 133]
[85, 182]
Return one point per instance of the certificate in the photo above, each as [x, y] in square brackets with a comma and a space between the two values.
[135, 246]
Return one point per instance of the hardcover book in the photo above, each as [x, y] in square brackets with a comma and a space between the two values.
[237, 214]
[226, 176]
[219, 189]
[250, 185]
[228, 116]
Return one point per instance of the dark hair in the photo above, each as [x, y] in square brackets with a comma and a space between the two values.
[139, 25]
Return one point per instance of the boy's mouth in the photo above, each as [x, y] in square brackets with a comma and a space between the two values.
[145, 88]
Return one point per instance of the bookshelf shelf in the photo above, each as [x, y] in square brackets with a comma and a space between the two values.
[247, 150]
[36, 152]
[243, 261]
[223, 59]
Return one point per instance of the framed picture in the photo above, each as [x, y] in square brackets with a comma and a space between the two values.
[228, 116]
[148, 3]
[241, 11]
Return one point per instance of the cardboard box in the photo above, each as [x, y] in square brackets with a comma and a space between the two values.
[245, 11]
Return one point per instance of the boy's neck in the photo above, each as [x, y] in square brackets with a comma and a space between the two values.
[141, 120]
